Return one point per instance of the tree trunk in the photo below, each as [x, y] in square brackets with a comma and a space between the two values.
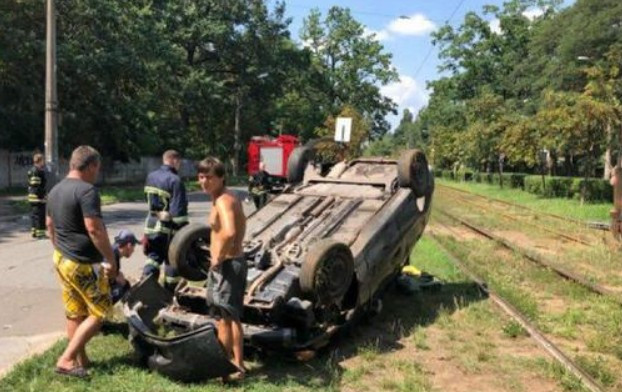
[237, 133]
[608, 166]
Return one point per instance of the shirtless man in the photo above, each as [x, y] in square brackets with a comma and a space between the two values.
[227, 275]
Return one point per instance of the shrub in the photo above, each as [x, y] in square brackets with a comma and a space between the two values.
[533, 184]
[464, 175]
[516, 180]
[447, 174]
[596, 189]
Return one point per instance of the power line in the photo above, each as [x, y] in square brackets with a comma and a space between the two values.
[356, 12]
[427, 56]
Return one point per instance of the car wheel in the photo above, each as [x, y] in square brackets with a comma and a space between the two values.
[297, 163]
[189, 251]
[327, 271]
[413, 172]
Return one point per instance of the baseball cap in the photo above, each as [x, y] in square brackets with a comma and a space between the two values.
[125, 237]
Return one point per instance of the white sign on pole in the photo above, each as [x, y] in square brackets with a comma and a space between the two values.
[343, 127]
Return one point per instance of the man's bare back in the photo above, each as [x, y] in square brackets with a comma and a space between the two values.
[228, 224]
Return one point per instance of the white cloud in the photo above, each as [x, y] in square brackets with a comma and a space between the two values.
[407, 94]
[495, 26]
[533, 13]
[416, 24]
[381, 35]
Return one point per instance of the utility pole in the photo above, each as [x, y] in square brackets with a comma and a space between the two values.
[51, 101]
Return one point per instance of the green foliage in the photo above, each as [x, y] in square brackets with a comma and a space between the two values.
[202, 76]
[351, 65]
[514, 330]
[551, 82]
[381, 147]
[593, 189]
[447, 174]
[333, 152]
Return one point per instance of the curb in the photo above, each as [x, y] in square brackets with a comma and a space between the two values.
[17, 349]
[11, 218]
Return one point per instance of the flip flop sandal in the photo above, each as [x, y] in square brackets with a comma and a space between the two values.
[78, 372]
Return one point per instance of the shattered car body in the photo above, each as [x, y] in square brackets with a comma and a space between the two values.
[319, 255]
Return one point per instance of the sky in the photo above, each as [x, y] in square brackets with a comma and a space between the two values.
[403, 27]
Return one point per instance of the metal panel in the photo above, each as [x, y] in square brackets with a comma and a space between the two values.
[273, 158]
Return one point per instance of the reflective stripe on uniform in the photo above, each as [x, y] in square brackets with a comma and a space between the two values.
[157, 191]
[172, 279]
[180, 219]
[152, 262]
[164, 195]
[35, 199]
[34, 181]
[157, 228]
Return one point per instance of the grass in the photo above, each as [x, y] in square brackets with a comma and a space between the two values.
[579, 320]
[115, 370]
[119, 194]
[565, 207]
[513, 329]
[13, 191]
[382, 356]
[110, 194]
[19, 206]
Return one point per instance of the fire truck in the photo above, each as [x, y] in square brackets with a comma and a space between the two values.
[274, 152]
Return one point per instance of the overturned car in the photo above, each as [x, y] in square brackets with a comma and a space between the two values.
[319, 255]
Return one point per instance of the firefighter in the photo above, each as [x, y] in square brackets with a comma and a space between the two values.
[36, 196]
[259, 186]
[168, 212]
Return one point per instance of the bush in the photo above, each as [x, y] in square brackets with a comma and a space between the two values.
[596, 189]
[553, 186]
[517, 180]
[464, 175]
[533, 184]
[447, 174]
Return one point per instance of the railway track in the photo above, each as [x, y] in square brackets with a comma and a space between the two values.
[533, 331]
[536, 258]
[599, 226]
[557, 233]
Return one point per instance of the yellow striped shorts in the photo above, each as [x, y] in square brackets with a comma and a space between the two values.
[85, 290]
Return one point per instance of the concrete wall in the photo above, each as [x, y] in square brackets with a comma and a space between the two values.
[14, 167]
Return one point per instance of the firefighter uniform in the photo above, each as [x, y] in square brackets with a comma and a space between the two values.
[36, 198]
[168, 212]
[258, 187]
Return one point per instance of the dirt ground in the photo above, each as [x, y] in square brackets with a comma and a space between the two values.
[452, 340]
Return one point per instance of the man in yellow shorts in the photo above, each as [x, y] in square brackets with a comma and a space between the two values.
[76, 228]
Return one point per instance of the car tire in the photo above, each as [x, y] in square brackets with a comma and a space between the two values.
[188, 246]
[327, 271]
[297, 163]
[413, 172]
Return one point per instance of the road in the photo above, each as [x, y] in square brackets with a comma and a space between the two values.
[32, 313]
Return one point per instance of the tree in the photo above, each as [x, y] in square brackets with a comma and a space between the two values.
[353, 66]
[605, 85]
[331, 151]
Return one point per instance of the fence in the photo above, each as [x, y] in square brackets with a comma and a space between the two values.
[14, 167]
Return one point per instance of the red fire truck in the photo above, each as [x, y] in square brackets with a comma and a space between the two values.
[274, 152]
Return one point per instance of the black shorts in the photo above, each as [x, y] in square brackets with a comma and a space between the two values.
[225, 288]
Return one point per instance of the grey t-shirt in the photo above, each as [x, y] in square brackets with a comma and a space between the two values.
[69, 202]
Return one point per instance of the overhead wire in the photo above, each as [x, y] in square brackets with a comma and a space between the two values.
[427, 56]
